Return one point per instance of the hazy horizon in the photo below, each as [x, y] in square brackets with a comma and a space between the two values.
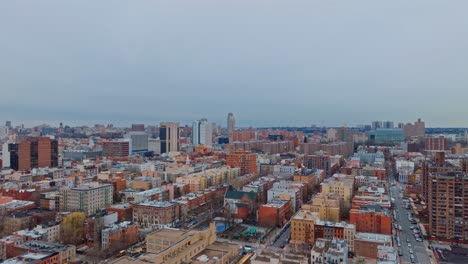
[295, 63]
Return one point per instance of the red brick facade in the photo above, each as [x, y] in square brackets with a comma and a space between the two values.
[270, 215]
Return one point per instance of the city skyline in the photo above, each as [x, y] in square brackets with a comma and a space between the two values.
[189, 123]
[269, 63]
[173, 132]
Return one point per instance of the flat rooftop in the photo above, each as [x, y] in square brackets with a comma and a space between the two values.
[170, 233]
[157, 204]
[27, 258]
[373, 237]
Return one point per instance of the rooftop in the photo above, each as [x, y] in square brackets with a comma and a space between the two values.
[27, 258]
[16, 204]
[32, 233]
[239, 194]
[157, 204]
[44, 247]
[169, 234]
[89, 186]
[276, 203]
[372, 237]
[334, 224]
[305, 214]
[117, 226]
[121, 206]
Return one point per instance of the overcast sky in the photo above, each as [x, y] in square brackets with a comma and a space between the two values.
[269, 62]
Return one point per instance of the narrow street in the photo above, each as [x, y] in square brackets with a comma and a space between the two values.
[283, 239]
[418, 248]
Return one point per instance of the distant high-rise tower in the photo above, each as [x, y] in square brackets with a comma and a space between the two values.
[202, 133]
[138, 141]
[31, 153]
[388, 125]
[138, 127]
[376, 125]
[231, 124]
[169, 135]
[418, 129]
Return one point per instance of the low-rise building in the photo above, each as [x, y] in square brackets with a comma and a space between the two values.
[66, 252]
[261, 187]
[366, 244]
[296, 192]
[328, 206]
[35, 258]
[278, 256]
[154, 214]
[329, 251]
[208, 178]
[31, 235]
[302, 227]
[386, 255]
[310, 178]
[146, 182]
[94, 224]
[7, 246]
[124, 211]
[119, 236]
[137, 196]
[17, 221]
[331, 230]
[371, 219]
[176, 245]
[8, 205]
[340, 184]
[240, 204]
[276, 213]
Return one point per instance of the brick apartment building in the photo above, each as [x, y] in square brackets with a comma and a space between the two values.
[116, 149]
[246, 161]
[274, 214]
[33, 152]
[155, 214]
[439, 143]
[447, 205]
[371, 219]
